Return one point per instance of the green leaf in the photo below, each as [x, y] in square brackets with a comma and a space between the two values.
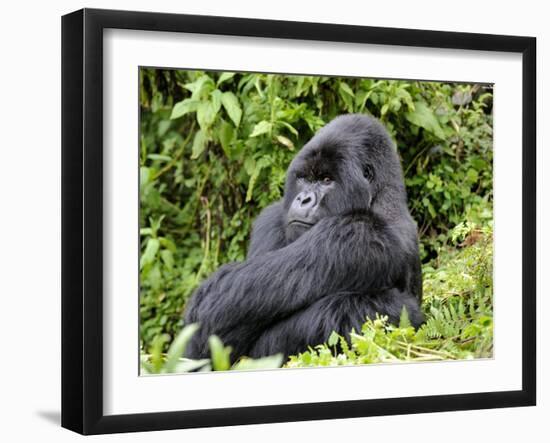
[249, 165]
[185, 365]
[219, 354]
[145, 231]
[159, 157]
[168, 244]
[347, 95]
[285, 142]
[200, 87]
[146, 368]
[163, 126]
[206, 112]
[255, 173]
[226, 135]
[167, 258]
[233, 108]
[144, 175]
[472, 175]
[478, 163]
[289, 127]
[150, 252]
[216, 99]
[177, 348]
[157, 360]
[361, 99]
[404, 321]
[184, 107]
[224, 77]
[422, 116]
[260, 128]
[333, 339]
[344, 87]
[271, 362]
[199, 144]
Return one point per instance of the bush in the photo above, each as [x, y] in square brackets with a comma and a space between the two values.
[214, 149]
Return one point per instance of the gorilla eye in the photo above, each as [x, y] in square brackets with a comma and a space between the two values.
[327, 180]
[368, 172]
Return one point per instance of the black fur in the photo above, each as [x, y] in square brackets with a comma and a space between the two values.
[299, 283]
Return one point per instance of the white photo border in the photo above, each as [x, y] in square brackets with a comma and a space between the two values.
[124, 392]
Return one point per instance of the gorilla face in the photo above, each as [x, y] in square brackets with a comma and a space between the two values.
[335, 173]
[315, 186]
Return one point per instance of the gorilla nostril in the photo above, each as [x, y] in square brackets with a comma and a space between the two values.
[305, 201]
[308, 200]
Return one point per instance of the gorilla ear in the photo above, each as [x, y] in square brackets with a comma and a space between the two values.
[368, 172]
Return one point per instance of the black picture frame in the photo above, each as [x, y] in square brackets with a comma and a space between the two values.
[82, 219]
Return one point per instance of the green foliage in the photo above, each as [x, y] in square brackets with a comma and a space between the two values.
[172, 362]
[214, 149]
[458, 305]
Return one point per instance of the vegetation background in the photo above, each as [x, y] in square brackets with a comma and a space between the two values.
[214, 148]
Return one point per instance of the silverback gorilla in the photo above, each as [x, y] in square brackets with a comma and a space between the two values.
[339, 247]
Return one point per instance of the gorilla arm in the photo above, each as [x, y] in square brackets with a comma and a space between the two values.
[349, 253]
[268, 234]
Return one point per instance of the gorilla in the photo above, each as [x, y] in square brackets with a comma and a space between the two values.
[338, 248]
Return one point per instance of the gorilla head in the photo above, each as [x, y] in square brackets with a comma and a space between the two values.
[346, 167]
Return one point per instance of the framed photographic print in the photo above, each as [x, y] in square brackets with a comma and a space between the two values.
[269, 221]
